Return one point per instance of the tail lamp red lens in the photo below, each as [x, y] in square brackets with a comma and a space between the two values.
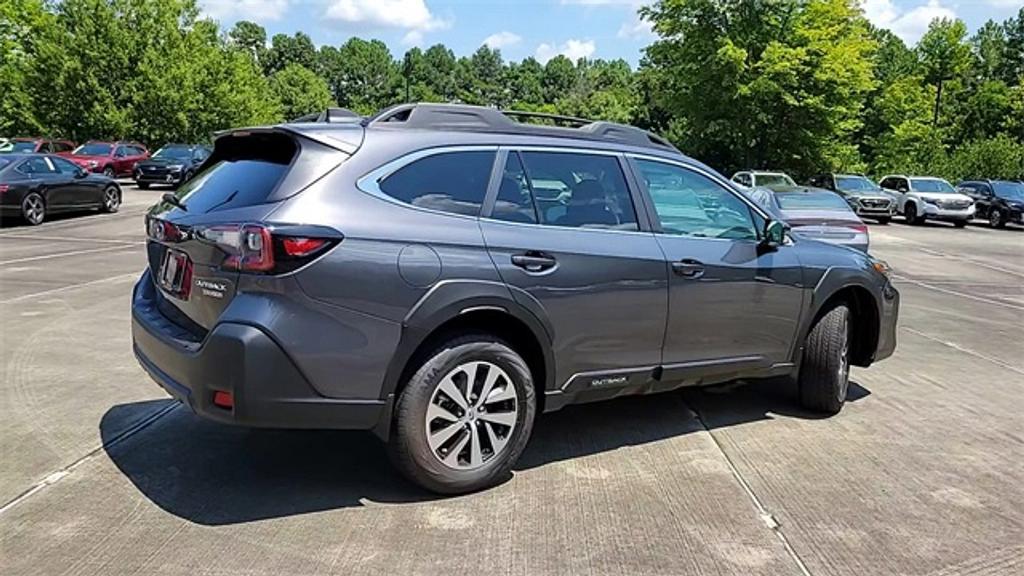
[255, 248]
[223, 400]
[859, 228]
[4, 188]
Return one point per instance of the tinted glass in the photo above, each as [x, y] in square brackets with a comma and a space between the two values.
[854, 184]
[514, 202]
[174, 153]
[62, 147]
[37, 165]
[94, 149]
[24, 147]
[449, 182]
[929, 185]
[231, 184]
[690, 204]
[774, 180]
[1009, 190]
[64, 166]
[804, 201]
[580, 190]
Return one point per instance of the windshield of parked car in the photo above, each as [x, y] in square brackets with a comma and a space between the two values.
[855, 184]
[1009, 190]
[24, 146]
[930, 185]
[774, 180]
[93, 149]
[174, 153]
[811, 201]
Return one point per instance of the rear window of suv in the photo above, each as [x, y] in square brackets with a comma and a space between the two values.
[453, 182]
[245, 171]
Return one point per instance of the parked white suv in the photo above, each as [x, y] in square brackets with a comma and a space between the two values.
[753, 179]
[926, 198]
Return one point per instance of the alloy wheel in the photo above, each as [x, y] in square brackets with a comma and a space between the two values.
[844, 360]
[34, 209]
[110, 199]
[471, 415]
[995, 218]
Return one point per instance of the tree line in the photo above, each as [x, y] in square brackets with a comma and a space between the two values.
[798, 85]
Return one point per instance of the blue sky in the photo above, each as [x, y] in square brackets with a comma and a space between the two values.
[539, 28]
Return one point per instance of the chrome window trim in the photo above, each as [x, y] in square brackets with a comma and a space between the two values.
[369, 183]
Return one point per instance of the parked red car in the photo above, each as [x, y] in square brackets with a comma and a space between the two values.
[112, 159]
[40, 145]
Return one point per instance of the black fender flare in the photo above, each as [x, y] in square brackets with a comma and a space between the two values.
[834, 280]
[446, 301]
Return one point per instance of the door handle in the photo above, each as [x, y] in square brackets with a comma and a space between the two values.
[533, 261]
[691, 269]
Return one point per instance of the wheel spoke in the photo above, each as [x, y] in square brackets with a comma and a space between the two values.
[508, 392]
[471, 371]
[435, 411]
[452, 391]
[437, 439]
[492, 377]
[452, 459]
[503, 418]
[476, 457]
[496, 443]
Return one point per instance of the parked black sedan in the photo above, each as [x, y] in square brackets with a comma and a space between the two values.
[173, 165]
[998, 201]
[35, 185]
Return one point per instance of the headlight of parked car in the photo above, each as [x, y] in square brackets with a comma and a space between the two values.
[175, 167]
[881, 266]
[931, 201]
[93, 163]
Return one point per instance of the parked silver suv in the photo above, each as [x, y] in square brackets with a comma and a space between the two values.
[440, 274]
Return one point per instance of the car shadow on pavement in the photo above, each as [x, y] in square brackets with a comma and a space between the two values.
[214, 474]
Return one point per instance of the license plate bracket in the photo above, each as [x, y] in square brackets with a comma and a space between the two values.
[175, 274]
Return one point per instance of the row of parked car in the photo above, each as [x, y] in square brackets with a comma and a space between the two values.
[41, 176]
[830, 206]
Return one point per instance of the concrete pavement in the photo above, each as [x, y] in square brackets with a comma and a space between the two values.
[920, 474]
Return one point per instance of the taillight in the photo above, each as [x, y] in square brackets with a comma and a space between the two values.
[260, 249]
[859, 228]
[4, 188]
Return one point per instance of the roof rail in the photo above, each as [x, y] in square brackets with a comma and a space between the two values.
[330, 116]
[482, 119]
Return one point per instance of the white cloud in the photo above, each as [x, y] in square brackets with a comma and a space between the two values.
[572, 49]
[637, 28]
[258, 10]
[911, 24]
[1004, 3]
[501, 40]
[413, 38]
[410, 15]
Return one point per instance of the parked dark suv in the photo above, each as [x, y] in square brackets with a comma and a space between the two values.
[998, 201]
[440, 274]
[172, 165]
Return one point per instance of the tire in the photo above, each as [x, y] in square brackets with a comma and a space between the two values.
[109, 172]
[996, 218]
[419, 458]
[142, 185]
[883, 220]
[910, 214]
[960, 223]
[111, 200]
[33, 209]
[825, 371]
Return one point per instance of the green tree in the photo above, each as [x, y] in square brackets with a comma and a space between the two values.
[440, 65]
[782, 85]
[559, 78]
[300, 91]
[285, 50]
[361, 74]
[944, 56]
[998, 157]
[24, 25]
[249, 37]
[1012, 64]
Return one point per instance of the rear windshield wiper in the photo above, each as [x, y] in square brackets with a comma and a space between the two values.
[173, 201]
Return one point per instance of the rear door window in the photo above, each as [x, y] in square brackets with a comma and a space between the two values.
[579, 190]
[454, 182]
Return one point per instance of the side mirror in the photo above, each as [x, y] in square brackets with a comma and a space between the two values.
[774, 233]
[81, 174]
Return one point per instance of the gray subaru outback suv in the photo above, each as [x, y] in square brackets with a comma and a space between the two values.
[440, 274]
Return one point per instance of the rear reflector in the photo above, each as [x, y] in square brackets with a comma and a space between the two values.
[223, 400]
[4, 188]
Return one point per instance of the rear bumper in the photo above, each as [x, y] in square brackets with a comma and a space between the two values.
[267, 388]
